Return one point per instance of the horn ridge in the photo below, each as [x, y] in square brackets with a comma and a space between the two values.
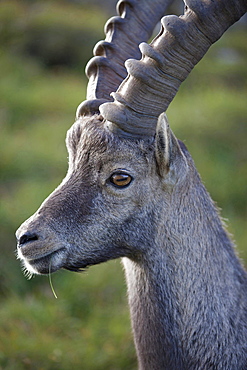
[154, 80]
[124, 32]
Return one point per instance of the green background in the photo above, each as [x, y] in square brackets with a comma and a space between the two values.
[44, 46]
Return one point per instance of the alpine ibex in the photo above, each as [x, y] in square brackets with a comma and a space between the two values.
[132, 191]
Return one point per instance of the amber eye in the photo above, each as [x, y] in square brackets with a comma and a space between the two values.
[120, 179]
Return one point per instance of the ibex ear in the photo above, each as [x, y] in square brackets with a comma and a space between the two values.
[171, 162]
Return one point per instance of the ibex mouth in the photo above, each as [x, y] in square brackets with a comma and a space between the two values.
[45, 264]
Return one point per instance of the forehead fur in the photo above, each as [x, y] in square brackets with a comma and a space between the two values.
[88, 134]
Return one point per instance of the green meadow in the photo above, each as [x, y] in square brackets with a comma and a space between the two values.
[44, 47]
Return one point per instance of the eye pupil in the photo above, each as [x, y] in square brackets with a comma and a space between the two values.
[120, 179]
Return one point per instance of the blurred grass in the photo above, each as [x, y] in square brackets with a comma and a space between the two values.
[88, 325]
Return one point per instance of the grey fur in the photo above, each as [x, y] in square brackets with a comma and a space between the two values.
[187, 289]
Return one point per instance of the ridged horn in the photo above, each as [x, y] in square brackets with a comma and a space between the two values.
[106, 69]
[153, 81]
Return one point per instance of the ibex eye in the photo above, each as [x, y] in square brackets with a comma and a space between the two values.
[120, 179]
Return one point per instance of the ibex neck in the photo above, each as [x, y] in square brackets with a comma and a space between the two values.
[183, 295]
[152, 315]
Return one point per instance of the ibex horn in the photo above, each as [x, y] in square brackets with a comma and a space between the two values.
[106, 69]
[154, 80]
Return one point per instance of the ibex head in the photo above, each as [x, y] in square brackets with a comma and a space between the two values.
[104, 206]
[125, 164]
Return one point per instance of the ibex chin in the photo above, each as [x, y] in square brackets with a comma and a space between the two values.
[132, 191]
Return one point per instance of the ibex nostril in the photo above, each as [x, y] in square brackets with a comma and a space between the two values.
[27, 237]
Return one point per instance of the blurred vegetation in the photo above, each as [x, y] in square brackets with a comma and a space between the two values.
[44, 47]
